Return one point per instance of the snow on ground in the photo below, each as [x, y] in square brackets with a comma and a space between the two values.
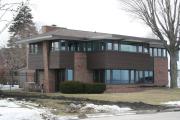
[10, 109]
[21, 110]
[9, 87]
[113, 109]
[172, 103]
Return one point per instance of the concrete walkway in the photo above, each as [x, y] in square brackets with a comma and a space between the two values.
[155, 116]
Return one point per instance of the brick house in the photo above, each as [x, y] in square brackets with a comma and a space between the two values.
[122, 62]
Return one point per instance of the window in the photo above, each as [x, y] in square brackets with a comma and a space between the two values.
[101, 45]
[55, 46]
[144, 77]
[71, 46]
[140, 76]
[145, 50]
[128, 48]
[99, 76]
[63, 45]
[108, 76]
[89, 46]
[128, 76]
[155, 52]
[69, 74]
[33, 48]
[109, 46]
[164, 53]
[124, 77]
[140, 49]
[159, 52]
[137, 77]
[84, 46]
[132, 75]
[115, 46]
[151, 51]
[116, 75]
[95, 46]
[148, 77]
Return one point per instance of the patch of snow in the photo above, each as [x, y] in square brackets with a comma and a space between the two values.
[9, 87]
[11, 109]
[114, 109]
[173, 103]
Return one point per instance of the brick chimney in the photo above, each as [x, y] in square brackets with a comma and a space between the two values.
[47, 28]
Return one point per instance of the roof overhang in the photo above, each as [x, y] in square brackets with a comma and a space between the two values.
[35, 39]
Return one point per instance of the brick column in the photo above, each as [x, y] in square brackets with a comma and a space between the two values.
[49, 76]
[81, 73]
[161, 71]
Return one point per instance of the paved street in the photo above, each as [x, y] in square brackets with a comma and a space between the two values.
[156, 116]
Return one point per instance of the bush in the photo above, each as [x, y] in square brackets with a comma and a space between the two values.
[95, 88]
[72, 87]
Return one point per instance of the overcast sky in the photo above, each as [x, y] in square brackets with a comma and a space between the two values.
[92, 15]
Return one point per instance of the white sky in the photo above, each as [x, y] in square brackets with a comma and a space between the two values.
[92, 15]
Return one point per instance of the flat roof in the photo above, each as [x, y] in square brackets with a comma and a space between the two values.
[69, 34]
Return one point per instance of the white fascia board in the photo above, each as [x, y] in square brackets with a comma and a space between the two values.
[36, 39]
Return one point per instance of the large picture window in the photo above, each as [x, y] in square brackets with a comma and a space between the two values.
[128, 77]
[128, 48]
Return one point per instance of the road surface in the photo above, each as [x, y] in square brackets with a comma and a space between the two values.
[155, 116]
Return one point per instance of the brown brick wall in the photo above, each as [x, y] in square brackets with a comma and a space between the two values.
[30, 75]
[49, 75]
[127, 88]
[116, 60]
[81, 73]
[61, 59]
[160, 71]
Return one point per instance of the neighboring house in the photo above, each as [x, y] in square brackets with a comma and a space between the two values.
[119, 61]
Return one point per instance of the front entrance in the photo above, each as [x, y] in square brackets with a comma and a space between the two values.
[59, 78]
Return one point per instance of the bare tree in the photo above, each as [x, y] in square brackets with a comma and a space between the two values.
[163, 17]
[12, 60]
[9, 8]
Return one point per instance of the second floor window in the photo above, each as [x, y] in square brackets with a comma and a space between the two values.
[33, 48]
[55, 46]
[109, 46]
[128, 48]
[63, 45]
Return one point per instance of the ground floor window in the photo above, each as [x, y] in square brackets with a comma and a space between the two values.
[99, 76]
[123, 76]
[69, 74]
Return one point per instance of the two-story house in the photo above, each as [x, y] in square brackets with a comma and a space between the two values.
[116, 60]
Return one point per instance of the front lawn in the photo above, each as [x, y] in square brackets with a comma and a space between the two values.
[155, 96]
[152, 99]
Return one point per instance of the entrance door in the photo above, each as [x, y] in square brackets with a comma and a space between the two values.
[60, 77]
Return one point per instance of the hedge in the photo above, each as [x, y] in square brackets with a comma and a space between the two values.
[71, 87]
[74, 87]
[95, 88]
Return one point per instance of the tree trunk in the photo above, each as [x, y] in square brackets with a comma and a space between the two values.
[173, 70]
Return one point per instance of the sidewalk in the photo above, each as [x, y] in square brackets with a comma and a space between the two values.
[155, 116]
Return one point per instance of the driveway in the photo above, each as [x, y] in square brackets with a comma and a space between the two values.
[156, 116]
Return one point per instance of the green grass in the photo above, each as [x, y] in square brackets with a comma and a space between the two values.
[155, 96]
